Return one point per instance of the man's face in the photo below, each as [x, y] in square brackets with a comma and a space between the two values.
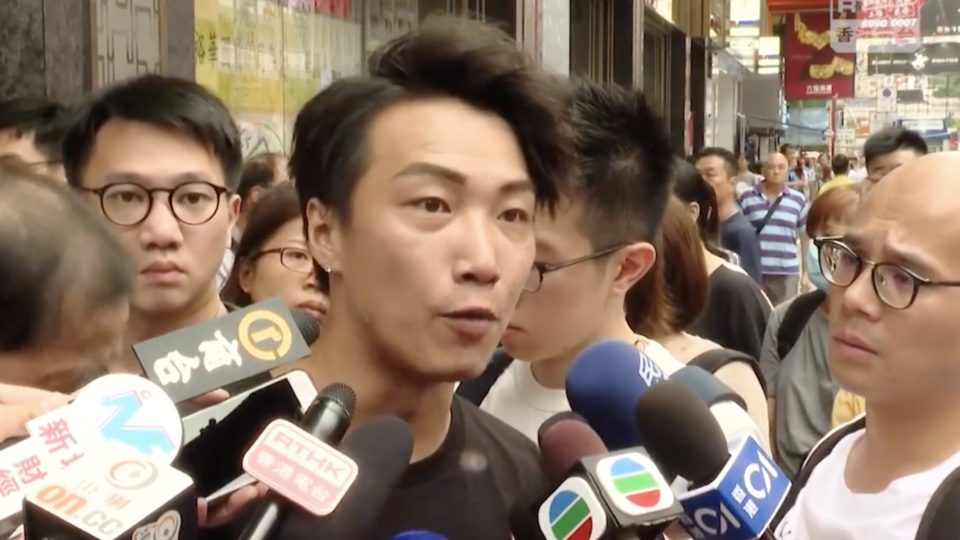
[714, 171]
[881, 166]
[908, 355]
[791, 155]
[175, 263]
[439, 242]
[742, 165]
[565, 315]
[775, 169]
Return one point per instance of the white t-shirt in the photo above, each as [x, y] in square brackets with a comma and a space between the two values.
[827, 509]
[519, 400]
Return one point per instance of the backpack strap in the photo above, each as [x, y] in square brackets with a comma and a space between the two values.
[475, 390]
[713, 360]
[795, 319]
[941, 517]
[708, 388]
[817, 454]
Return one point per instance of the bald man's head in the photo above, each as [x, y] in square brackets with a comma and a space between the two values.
[908, 225]
[775, 168]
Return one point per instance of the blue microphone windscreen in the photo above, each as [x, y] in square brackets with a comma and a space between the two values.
[603, 386]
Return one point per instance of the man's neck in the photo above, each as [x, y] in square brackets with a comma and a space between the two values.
[552, 372]
[727, 208]
[146, 325]
[771, 190]
[343, 354]
[900, 441]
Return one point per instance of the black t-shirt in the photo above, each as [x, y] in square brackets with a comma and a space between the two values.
[466, 489]
[736, 313]
[738, 235]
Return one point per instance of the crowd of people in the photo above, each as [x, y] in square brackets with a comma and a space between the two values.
[463, 225]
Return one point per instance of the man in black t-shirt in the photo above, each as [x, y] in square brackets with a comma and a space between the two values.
[419, 184]
[719, 168]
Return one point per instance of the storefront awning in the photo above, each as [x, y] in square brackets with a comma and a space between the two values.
[790, 6]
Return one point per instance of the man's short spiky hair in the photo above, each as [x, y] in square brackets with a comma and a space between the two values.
[445, 56]
[624, 159]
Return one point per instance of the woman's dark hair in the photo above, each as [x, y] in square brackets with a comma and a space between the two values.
[673, 294]
[690, 187]
[278, 206]
[58, 261]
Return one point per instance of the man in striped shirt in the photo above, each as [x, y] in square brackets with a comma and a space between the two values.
[779, 214]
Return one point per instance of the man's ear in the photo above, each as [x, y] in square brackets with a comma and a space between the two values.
[233, 208]
[324, 232]
[634, 261]
[246, 275]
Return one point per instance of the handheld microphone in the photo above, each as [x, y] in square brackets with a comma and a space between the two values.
[119, 408]
[381, 448]
[607, 378]
[734, 497]
[326, 421]
[113, 492]
[214, 354]
[603, 385]
[307, 325]
[600, 494]
[726, 406]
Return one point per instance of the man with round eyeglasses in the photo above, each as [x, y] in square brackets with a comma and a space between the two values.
[894, 339]
[159, 158]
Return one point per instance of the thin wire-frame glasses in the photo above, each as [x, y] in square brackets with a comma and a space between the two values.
[535, 278]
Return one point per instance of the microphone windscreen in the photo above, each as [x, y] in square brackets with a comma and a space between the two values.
[565, 442]
[603, 385]
[381, 448]
[563, 415]
[307, 324]
[339, 392]
[680, 432]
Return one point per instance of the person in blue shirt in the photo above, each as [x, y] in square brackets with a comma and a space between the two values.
[718, 167]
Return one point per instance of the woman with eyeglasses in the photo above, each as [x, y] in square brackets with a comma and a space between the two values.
[272, 258]
[795, 345]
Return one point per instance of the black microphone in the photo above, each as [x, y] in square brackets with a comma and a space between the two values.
[381, 449]
[307, 324]
[327, 419]
[597, 494]
[734, 496]
[240, 345]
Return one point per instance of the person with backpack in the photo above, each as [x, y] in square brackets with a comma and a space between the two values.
[794, 356]
[667, 301]
[591, 251]
[893, 474]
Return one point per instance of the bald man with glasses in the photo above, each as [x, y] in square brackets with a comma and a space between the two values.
[895, 340]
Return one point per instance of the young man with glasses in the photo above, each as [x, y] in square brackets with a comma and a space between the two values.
[590, 252]
[894, 340]
[157, 158]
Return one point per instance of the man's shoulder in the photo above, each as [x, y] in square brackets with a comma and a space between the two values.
[796, 195]
[739, 225]
[490, 433]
